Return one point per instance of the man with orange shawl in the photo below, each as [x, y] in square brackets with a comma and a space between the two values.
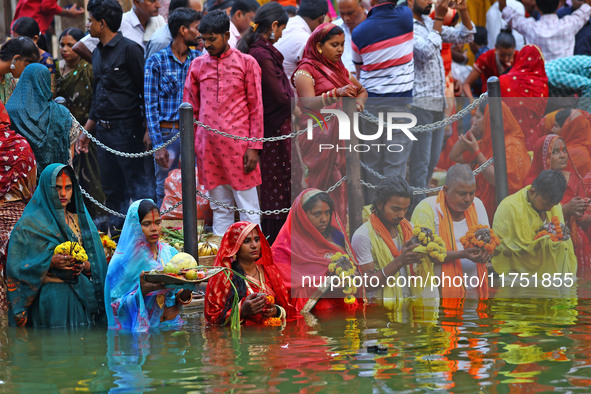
[550, 153]
[451, 214]
[475, 148]
[308, 240]
[383, 244]
[517, 223]
[525, 90]
[262, 295]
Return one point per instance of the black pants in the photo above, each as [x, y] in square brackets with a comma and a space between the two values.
[124, 179]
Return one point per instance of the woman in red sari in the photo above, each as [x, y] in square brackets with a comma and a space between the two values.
[17, 184]
[550, 153]
[246, 251]
[309, 238]
[475, 148]
[574, 127]
[526, 79]
[321, 80]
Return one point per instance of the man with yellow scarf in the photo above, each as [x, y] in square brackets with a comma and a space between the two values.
[451, 214]
[517, 222]
[383, 244]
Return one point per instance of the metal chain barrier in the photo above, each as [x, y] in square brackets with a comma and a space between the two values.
[254, 139]
[437, 125]
[124, 154]
[120, 215]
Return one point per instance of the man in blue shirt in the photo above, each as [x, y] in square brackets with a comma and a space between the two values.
[164, 80]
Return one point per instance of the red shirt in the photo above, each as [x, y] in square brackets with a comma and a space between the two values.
[487, 65]
[42, 11]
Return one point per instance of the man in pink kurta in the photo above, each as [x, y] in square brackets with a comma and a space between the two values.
[224, 88]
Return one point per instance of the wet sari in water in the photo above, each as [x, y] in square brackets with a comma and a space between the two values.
[518, 160]
[327, 167]
[41, 228]
[574, 188]
[17, 184]
[219, 292]
[527, 79]
[301, 250]
[127, 308]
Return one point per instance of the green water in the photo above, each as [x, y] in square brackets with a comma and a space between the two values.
[509, 345]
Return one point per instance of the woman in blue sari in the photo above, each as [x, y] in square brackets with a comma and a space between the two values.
[47, 290]
[131, 302]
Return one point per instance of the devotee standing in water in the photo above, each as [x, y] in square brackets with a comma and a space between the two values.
[224, 88]
[517, 222]
[115, 116]
[51, 289]
[450, 214]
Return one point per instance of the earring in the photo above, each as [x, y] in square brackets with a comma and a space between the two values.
[272, 36]
[320, 51]
[12, 66]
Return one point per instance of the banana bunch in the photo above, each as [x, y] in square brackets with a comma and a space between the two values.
[73, 249]
[430, 244]
[207, 249]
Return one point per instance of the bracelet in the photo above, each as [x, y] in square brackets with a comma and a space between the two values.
[438, 19]
[178, 297]
[324, 98]
[383, 273]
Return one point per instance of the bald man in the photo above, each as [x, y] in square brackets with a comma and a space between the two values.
[352, 13]
[454, 208]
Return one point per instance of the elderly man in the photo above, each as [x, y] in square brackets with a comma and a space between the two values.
[451, 214]
[382, 244]
[352, 14]
[517, 221]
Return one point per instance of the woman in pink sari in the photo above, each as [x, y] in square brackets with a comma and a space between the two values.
[321, 81]
[305, 245]
[527, 79]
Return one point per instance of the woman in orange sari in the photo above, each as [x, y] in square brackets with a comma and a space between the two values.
[305, 245]
[245, 250]
[551, 153]
[475, 148]
[527, 79]
[574, 127]
[321, 80]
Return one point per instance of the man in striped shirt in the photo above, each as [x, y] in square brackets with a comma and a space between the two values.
[383, 56]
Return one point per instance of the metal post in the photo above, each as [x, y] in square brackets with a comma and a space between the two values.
[498, 138]
[354, 192]
[189, 185]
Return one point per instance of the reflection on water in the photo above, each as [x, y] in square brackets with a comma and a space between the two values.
[500, 345]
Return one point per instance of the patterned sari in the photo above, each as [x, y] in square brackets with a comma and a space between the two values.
[574, 188]
[219, 293]
[17, 184]
[76, 88]
[324, 168]
[527, 79]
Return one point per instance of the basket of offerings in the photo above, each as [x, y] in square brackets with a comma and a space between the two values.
[556, 230]
[182, 270]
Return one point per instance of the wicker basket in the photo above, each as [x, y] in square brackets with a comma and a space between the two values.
[207, 260]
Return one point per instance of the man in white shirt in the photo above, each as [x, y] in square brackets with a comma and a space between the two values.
[495, 22]
[142, 21]
[352, 14]
[554, 36]
[241, 15]
[453, 208]
[299, 28]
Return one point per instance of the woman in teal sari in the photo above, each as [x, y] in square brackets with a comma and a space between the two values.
[132, 303]
[47, 290]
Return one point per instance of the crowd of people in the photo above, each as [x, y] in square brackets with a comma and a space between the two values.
[255, 72]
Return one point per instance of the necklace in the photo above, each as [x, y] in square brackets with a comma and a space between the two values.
[71, 222]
